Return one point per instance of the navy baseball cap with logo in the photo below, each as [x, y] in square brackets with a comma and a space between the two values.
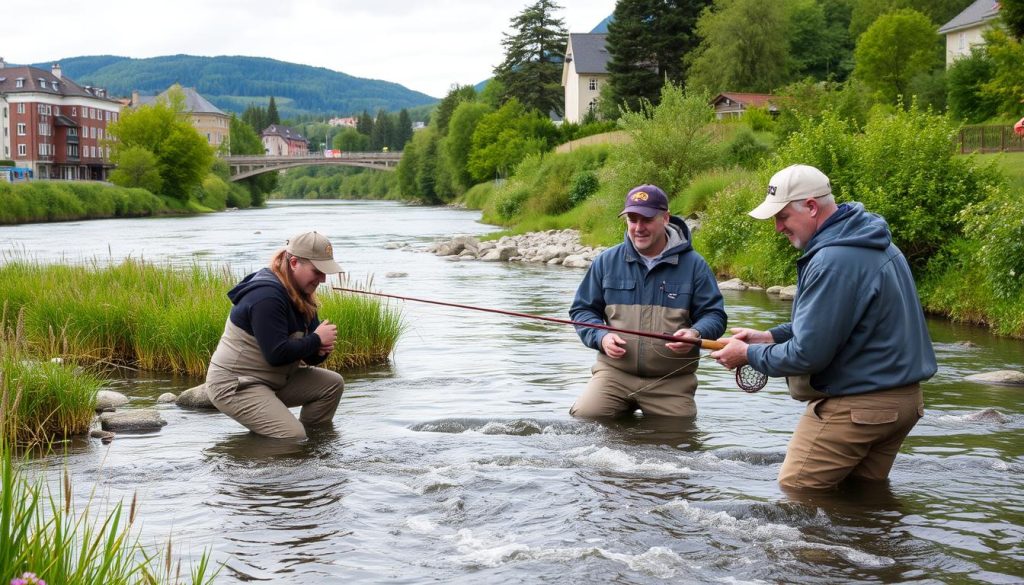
[647, 200]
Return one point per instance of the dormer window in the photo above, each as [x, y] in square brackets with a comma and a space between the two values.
[19, 82]
[42, 83]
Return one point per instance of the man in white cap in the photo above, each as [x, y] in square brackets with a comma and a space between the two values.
[653, 281]
[272, 339]
[857, 347]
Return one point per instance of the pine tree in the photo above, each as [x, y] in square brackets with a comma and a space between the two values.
[403, 130]
[382, 131]
[256, 117]
[532, 69]
[647, 40]
[272, 116]
[364, 125]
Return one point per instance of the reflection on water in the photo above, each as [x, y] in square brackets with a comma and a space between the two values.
[458, 462]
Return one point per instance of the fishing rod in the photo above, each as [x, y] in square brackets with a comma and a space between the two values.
[703, 343]
[747, 378]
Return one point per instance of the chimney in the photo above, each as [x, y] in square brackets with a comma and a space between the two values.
[2, 63]
[56, 70]
[135, 98]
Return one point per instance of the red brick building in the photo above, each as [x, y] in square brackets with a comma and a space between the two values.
[54, 126]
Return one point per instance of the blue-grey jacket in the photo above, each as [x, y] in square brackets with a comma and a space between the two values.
[857, 323]
[679, 291]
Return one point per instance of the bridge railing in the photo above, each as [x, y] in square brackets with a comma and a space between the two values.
[260, 158]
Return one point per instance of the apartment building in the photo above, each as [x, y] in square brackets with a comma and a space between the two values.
[53, 125]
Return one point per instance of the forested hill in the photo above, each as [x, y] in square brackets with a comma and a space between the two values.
[233, 82]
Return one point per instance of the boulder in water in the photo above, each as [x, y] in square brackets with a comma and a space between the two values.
[999, 378]
[132, 421]
[195, 397]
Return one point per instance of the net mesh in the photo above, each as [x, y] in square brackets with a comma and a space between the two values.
[749, 379]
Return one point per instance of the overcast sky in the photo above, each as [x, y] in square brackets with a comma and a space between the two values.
[425, 46]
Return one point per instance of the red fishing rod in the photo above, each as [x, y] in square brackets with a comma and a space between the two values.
[747, 377]
[704, 343]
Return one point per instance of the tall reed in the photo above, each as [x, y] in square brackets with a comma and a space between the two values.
[42, 531]
[161, 318]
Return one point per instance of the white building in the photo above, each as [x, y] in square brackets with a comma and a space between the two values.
[966, 28]
[584, 72]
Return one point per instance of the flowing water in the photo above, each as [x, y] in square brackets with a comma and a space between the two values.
[458, 461]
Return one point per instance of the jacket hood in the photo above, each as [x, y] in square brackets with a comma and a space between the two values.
[676, 225]
[257, 280]
[851, 225]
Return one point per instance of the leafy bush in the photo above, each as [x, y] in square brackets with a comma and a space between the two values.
[745, 149]
[584, 184]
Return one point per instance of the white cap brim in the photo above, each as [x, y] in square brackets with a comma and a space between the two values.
[768, 209]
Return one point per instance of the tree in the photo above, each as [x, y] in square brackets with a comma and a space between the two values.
[1007, 83]
[896, 48]
[351, 140]
[365, 123]
[137, 167]
[819, 39]
[504, 137]
[742, 47]
[458, 145]
[245, 140]
[256, 117]
[183, 156]
[443, 113]
[1012, 14]
[647, 40]
[403, 130]
[532, 69]
[383, 129]
[272, 116]
[964, 81]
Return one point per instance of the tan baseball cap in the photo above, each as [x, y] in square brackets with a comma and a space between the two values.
[316, 248]
[793, 183]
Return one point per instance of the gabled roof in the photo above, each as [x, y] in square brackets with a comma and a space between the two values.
[194, 103]
[588, 52]
[748, 100]
[979, 12]
[35, 80]
[282, 131]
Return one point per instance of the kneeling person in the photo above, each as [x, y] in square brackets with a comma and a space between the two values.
[272, 340]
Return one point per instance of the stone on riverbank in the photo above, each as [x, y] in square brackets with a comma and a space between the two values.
[787, 293]
[104, 436]
[132, 421]
[108, 399]
[999, 378]
[550, 247]
[195, 398]
[733, 284]
[166, 397]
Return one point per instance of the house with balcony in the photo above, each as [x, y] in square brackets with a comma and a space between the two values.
[54, 126]
[281, 140]
[584, 72]
[965, 30]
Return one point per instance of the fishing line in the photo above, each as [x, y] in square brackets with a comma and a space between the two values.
[747, 378]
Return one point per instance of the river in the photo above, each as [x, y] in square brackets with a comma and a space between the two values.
[458, 461]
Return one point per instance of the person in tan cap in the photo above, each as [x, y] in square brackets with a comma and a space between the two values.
[272, 340]
[857, 347]
[655, 281]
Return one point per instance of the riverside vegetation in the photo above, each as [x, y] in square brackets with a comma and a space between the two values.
[140, 315]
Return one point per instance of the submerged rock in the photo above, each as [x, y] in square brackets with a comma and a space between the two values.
[987, 415]
[104, 436]
[108, 399]
[195, 397]
[999, 378]
[132, 421]
[166, 397]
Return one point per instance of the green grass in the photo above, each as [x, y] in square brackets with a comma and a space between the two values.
[43, 532]
[161, 318]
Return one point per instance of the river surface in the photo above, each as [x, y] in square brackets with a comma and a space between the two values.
[458, 461]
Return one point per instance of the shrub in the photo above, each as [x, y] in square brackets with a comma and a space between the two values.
[584, 184]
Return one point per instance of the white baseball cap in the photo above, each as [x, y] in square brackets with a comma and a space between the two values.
[793, 183]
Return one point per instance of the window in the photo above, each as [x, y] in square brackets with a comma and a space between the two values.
[73, 151]
[56, 110]
[22, 130]
[22, 150]
[19, 82]
[962, 41]
[21, 108]
[593, 84]
[74, 111]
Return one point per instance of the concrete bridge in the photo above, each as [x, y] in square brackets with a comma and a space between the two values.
[250, 165]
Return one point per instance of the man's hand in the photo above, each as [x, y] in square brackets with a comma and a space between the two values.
[328, 333]
[682, 346]
[734, 354]
[613, 346]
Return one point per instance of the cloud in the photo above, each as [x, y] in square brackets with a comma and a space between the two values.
[423, 46]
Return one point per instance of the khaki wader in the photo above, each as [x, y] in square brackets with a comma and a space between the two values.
[854, 436]
[612, 392]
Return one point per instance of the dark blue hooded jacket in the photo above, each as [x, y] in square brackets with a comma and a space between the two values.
[857, 323]
[262, 309]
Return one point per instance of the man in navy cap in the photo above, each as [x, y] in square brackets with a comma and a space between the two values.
[652, 281]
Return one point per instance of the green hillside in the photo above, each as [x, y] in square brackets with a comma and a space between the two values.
[233, 82]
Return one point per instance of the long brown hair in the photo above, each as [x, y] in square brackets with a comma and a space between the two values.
[306, 304]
